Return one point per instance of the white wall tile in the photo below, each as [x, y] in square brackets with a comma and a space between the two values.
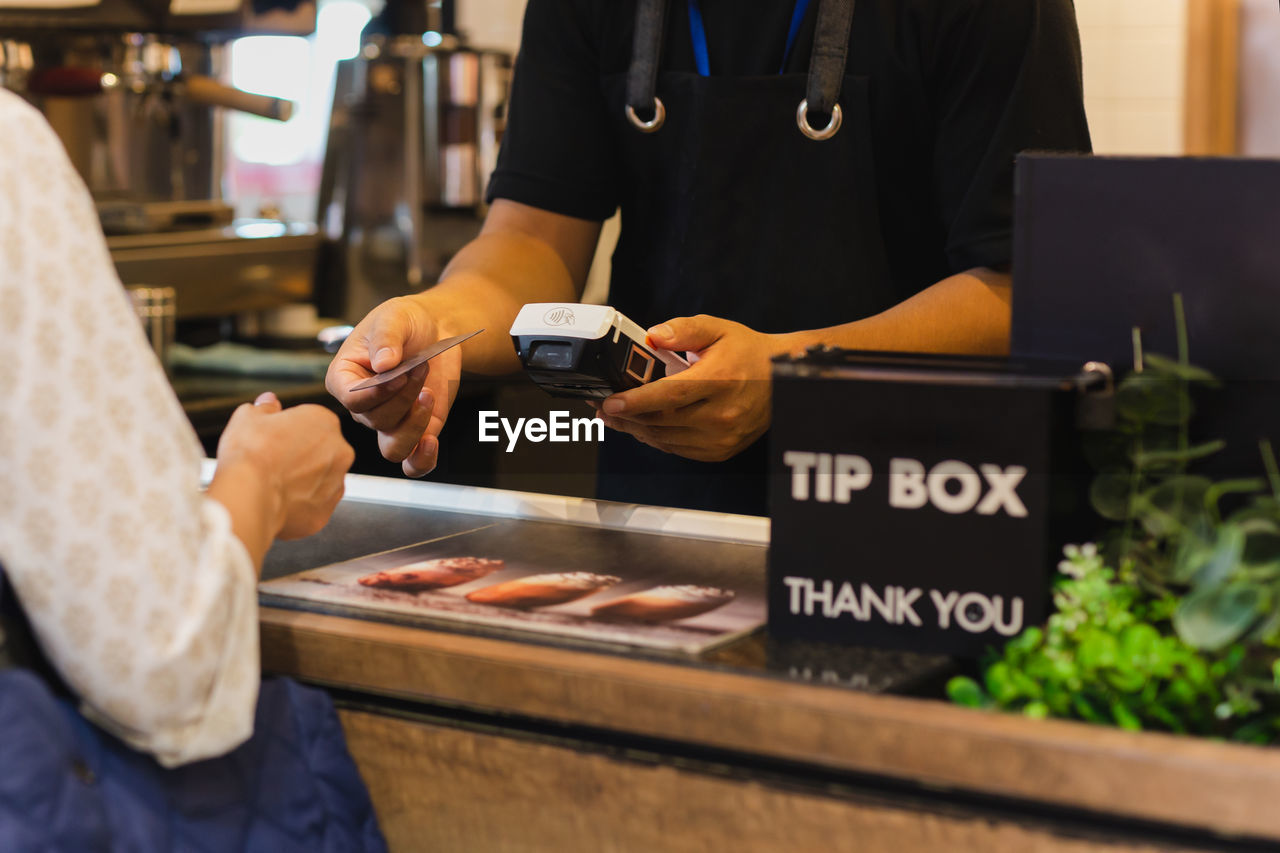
[1153, 130]
[1134, 73]
[1145, 13]
[1095, 13]
[1149, 64]
[492, 23]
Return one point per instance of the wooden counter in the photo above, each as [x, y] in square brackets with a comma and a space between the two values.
[476, 743]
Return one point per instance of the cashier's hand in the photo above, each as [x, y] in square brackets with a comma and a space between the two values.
[409, 412]
[718, 406]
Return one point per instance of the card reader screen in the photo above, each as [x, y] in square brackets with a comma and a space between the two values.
[551, 355]
[640, 364]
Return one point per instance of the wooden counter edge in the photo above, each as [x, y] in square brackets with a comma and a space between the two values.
[1227, 788]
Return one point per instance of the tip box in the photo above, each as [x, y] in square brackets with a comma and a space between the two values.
[921, 502]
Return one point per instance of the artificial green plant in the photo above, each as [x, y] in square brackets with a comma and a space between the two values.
[1172, 620]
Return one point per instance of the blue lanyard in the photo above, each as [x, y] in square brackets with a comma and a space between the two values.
[699, 33]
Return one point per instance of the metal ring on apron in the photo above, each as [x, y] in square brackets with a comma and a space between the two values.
[659, 116]
[802, 119]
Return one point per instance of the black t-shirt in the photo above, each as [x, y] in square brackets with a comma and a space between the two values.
[953, 90]
[958, 88]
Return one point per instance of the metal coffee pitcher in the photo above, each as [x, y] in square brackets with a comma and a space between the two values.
[413, 138]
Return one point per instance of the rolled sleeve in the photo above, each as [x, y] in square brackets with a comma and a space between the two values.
[557, 153]
[1006, 79]
[135, 586]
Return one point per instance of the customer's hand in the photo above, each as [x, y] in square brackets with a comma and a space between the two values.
[409, 412]
[718, 406]
[299, 455]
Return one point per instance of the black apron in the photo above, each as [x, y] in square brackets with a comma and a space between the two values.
[730, 209]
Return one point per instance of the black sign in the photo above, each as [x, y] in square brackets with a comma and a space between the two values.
[919, 503]
[1102, 245]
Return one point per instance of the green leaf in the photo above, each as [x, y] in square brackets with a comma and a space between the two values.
[1036, 710]
[1270, 466]
[1224, 559]
[1058, 701]
[1148, 398]
[965, 691]
[1127, 679]
[1196, 672]
[1185, 372]
[1000, 683]
[1211, 619]
[1180, 692]
[1139, 643]
[1268, 630]
[1193, 554]
[1110, 496]
[1261, 546]
[1228, 487]
[1124, 717]
[1085, 710]
[1026, 642]
[1158, 458]
[1097, 650]
[1259, 731]
[1164, 715]
[1174, 506]
[1263, 513]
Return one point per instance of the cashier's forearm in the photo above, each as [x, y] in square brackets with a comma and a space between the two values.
[967, 313]
[486, 284]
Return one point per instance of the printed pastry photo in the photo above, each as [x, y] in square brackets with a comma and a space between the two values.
[664, 603]
[432, 574]
[542, 590]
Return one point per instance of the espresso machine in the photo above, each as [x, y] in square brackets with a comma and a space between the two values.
[132, 89]
[417, 120]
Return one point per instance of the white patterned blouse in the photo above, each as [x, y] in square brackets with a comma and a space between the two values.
[135, 586]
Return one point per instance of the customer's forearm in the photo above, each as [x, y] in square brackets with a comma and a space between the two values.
[253, 503]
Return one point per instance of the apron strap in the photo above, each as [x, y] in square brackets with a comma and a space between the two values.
[642, 76]
[826, 68]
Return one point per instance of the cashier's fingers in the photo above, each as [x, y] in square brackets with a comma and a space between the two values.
[425, 455]
[384, 412]
[686, 433]
[377, 344]
[688, 451]
[680, 416]
[674, 392]
[422, 461]
[397, 443]
[661, 437]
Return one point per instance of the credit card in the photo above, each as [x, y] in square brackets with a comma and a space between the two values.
[413, 361]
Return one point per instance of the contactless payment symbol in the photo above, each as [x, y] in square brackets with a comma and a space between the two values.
[558, 316]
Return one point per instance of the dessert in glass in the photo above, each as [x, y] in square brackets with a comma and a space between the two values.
[432, 574]
[664, 603]
[542, 590]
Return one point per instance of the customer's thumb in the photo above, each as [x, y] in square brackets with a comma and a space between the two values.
[268, 402]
